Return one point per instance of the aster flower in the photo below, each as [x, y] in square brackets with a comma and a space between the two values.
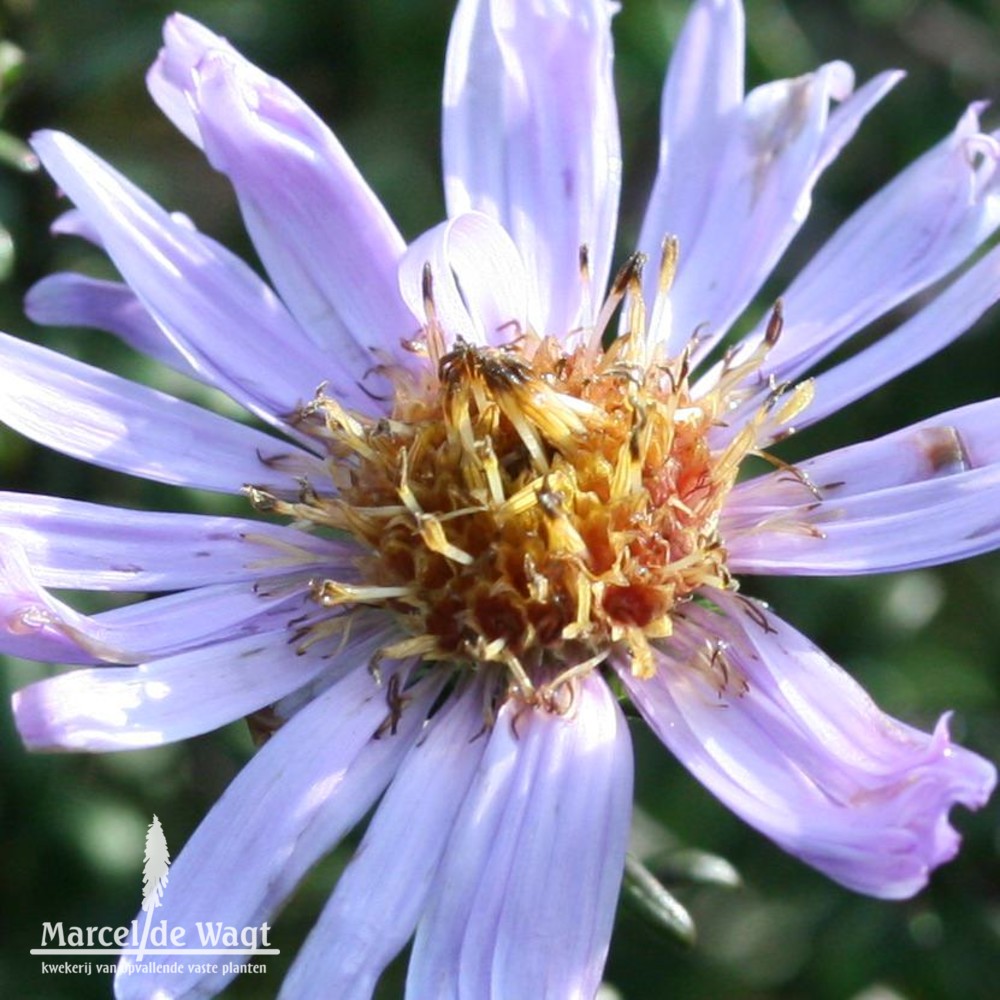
[520, 493]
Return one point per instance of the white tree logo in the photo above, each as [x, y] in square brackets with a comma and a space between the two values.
[156, 862]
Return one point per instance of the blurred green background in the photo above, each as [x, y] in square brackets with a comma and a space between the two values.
[72, 827]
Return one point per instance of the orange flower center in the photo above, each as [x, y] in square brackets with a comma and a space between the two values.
[530, 506]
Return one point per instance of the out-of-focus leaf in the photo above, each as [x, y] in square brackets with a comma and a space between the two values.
[13, 152]
[699, 868]
[11, 63]
[650, 898]
[17, 154]
[673, 861]
[6, 254]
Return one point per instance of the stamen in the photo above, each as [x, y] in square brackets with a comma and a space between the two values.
[670, 252]
[548, 691]
[331, 593]
[775, 324]
[623, 279]
[586, 281]
[433, 333]
[661, 320]
[432, 532]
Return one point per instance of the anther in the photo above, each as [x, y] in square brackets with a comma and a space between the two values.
[628, 273]
[435, 336]
[670, 251]
[775, 324]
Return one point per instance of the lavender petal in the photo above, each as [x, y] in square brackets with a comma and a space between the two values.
[298, 796]
[735, 171]
[326, 241]
[702, 95]
[380, 895]
[480, 286]
[77, 300]
[169, 79]
[228, 324]
[539, 842]
[125, 708]
[795, 747]
[762, 195]
[111, 422]
[37, 625]
[83, 546]
[935, 326]
[548, 167]
[920, 496]
[913, 232]
[28, 622]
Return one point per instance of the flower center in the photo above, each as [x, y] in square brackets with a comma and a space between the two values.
[531, 506]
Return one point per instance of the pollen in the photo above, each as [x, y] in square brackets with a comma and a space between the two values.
[528, 508]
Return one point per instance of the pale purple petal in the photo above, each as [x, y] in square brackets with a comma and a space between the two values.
[927, 494]
[913, 232]
[327, 243]
[26, 628]
[480, 288]
[759, 198]
[36, 625]
[84, 546]
[101, 418]
[935, 326]
[702, 95]
[365, 630]
[192, 618]
[77, 300]
[383, 890]
[701, 99]
[899, 529]
[540, 844]
[170, 78]
[73, 222]
[570, 907]
[735, 176]
[531, 138]
[795, 747]
[302, 791]
[125, 708]
[941, 445]
[497, 800]
[229, 325]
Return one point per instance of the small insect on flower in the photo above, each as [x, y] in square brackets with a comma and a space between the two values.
[525, 493]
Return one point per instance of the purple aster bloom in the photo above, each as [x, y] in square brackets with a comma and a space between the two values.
[485, 522]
